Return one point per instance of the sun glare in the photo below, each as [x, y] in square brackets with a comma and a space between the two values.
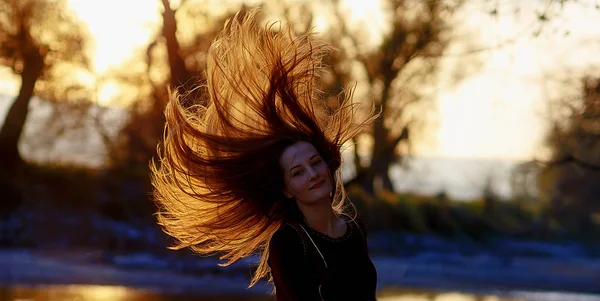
[118, 27]
[368, 16]
[107, 93]
[491, 113]
[100, 293]
[8, 82]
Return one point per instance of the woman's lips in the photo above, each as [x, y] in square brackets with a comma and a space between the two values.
[319, 184]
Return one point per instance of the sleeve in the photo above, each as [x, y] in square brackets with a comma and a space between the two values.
[291, 273]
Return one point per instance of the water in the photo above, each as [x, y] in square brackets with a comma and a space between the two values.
[121, 293]
[102, 293]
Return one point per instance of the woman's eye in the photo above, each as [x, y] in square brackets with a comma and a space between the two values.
[317, 162]
[297, 173]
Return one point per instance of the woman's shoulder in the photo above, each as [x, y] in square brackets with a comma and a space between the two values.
[288, 237]
[359, 223]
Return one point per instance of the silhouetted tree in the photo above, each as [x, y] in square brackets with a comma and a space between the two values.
[490, 196]
[569, 183]
[180, 56]
[396, 73]
[36, 38]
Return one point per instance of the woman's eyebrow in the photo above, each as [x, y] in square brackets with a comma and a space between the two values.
[300, 164]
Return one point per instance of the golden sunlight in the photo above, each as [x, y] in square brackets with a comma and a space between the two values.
[450, 296]
[118, 27]
[495, 112]
[77, 292]
[8, 82]
[107, 92]
[100, 293]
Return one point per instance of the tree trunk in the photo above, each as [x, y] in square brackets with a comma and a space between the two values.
[11, 131]
[180, 76]
[10, 135]
[376, 178]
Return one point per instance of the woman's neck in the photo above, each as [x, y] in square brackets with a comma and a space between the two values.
[322, 218]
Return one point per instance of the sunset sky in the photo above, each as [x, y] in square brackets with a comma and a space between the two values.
[498, 111]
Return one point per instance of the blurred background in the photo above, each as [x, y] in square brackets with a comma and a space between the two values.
[480, 180]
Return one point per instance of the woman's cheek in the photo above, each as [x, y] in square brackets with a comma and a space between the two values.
[297, 186]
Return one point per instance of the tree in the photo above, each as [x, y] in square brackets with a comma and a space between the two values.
[569, 183]
[37, 38]
[179, 55]
[395, 73]
[400, 71]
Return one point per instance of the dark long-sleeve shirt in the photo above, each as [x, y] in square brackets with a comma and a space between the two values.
[350, 273]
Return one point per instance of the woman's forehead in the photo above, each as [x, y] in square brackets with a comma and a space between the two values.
[298, 153]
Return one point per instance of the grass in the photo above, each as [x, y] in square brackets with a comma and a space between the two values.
[123, 196]
[477, 218]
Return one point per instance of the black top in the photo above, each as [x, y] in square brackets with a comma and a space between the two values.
[298, 270]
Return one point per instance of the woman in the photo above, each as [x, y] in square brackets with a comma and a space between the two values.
[256, 167]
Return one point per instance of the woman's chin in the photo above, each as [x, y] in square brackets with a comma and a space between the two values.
[320, 195]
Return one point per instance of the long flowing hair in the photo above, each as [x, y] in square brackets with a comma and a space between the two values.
[217, 182]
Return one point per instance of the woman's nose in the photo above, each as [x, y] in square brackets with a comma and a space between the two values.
[312, 172]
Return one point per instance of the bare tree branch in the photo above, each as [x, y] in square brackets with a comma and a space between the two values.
[570, 159]
[345, 32]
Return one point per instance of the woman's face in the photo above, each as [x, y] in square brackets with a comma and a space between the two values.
[306, 175]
